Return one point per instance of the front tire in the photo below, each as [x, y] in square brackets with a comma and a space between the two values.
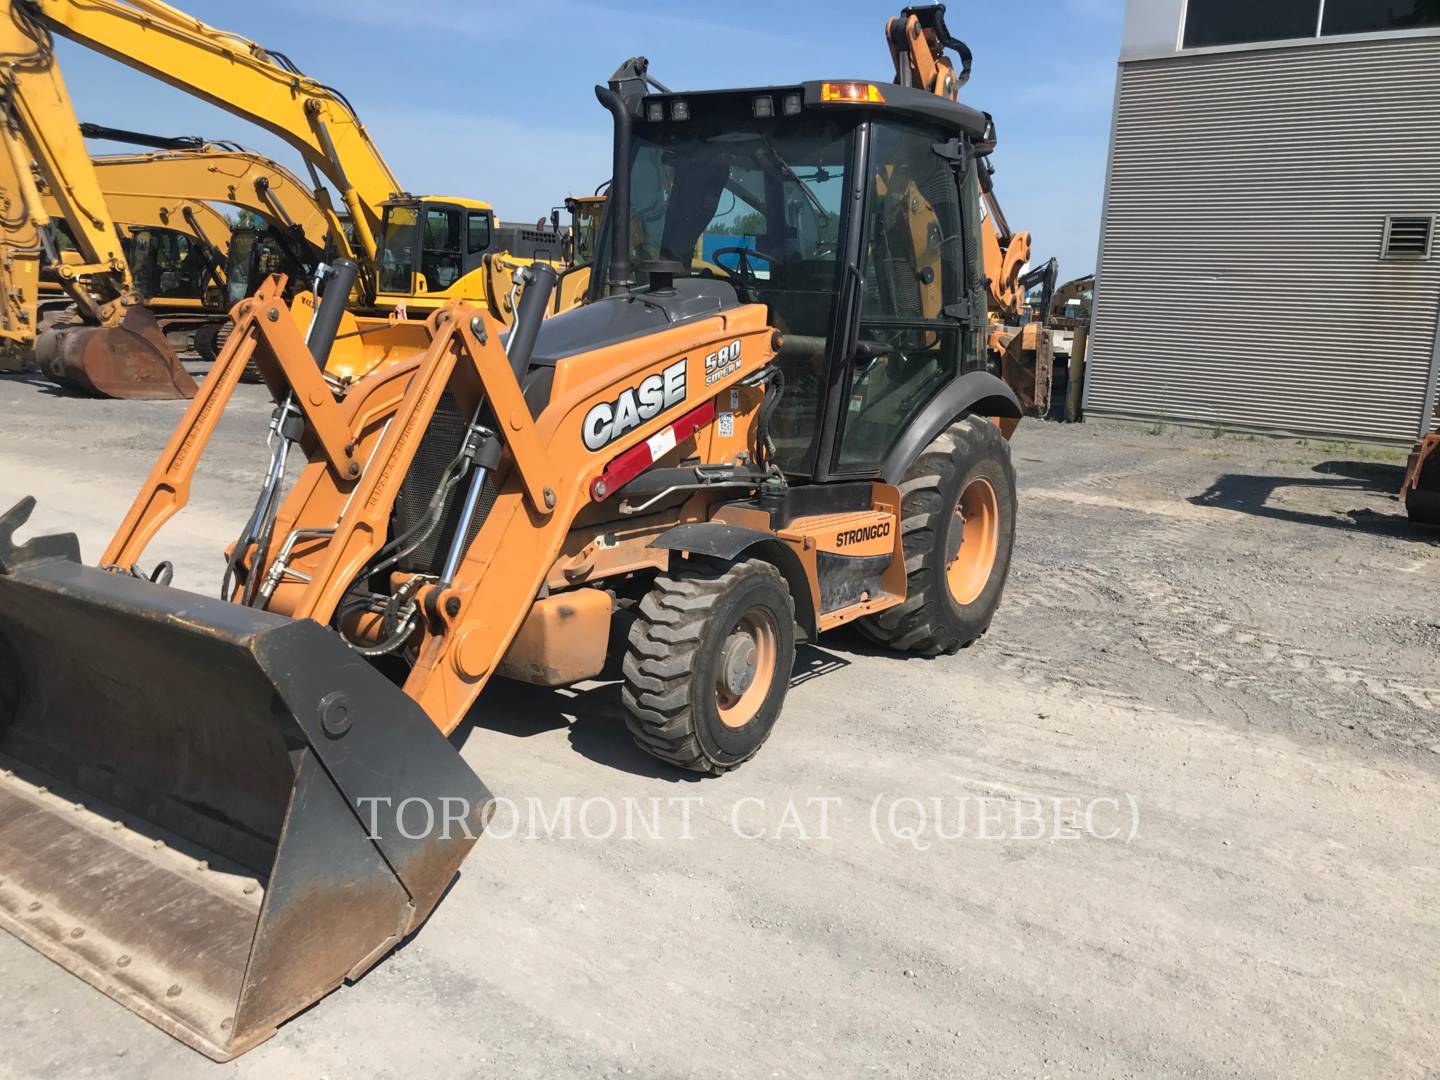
[708, 663]
[958, 506]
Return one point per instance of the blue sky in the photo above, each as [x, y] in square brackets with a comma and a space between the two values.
[494, 100]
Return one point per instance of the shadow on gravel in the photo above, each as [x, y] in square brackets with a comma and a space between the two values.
[44, 386]
[1251, 495]
[594, 714]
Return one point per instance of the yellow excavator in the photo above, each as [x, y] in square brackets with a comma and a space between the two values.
[183, 257]
[222, 173]
[291, 230]
[217, 809]
[120, 349]
[176, 249]
[1020, 346]
[415, 251]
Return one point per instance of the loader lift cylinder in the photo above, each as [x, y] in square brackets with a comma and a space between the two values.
[334, 284]
[519, 346]
[530, 313]
[333, 298]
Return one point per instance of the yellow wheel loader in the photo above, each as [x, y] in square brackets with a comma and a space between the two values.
[216, 809]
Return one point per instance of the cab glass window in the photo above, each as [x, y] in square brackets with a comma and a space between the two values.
[758, 205]
[477, 232]
[399, 234]
[1237, 22]
[912, 337]
[442, 259]
[1375, 16]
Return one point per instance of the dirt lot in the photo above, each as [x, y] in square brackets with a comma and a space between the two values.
[1213, 684]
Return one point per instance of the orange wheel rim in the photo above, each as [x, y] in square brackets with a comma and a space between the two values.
[978, 517]
[746, 669]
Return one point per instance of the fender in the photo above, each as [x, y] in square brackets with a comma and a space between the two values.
[976, 392]
[731, 542]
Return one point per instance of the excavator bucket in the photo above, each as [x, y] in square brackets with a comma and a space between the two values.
[213, 814]
[132, 360]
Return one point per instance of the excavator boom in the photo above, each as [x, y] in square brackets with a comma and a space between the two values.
[236, 177]
[244, 79]
[450, 235]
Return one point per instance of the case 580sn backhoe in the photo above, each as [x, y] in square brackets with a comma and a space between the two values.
[771, 419]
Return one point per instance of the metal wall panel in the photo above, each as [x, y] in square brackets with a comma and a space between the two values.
[1240, 276]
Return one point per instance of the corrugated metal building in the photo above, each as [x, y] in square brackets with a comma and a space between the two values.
[1269, 258]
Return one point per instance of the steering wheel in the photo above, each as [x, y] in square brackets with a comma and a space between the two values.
[744, 273]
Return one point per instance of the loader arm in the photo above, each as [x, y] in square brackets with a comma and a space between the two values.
[244, 79]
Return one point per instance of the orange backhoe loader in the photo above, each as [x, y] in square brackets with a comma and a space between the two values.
[217, 809]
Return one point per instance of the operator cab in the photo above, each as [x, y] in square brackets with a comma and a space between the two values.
[166, 263]
[256, 253]
[427, 245]
[851, 210]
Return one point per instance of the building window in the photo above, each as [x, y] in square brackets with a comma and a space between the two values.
[1375, 16]
[1408, 238]
[1238, 22]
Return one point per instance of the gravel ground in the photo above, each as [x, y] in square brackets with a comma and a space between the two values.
[1195, 757]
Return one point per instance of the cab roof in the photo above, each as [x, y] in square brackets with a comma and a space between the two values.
[895, 99]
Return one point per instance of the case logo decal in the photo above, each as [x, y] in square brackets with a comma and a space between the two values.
[609, 420]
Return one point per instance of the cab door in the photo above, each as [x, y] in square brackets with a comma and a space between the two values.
[919, 320]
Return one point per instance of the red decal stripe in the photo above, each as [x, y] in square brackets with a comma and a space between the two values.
[630, 464]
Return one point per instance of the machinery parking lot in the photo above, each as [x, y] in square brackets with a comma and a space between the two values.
[1223, 646]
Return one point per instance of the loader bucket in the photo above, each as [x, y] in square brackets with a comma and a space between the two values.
[132, 360]
[184, 786]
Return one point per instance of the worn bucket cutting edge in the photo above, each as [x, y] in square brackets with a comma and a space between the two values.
[133, 360]
[182, 780]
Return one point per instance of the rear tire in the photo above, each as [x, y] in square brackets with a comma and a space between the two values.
[1422, 502]
[1423, 506]
[958, 506]
[708, 663]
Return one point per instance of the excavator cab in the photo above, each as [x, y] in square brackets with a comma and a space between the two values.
[255, 254]
[427, 246]
[585, 213]
[851, 210]
[166, 264]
